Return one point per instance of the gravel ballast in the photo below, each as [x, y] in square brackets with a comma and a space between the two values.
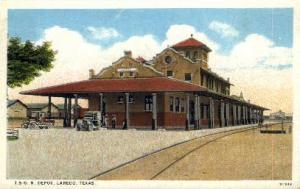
[70, 154]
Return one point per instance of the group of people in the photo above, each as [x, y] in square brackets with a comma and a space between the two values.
[105, 121]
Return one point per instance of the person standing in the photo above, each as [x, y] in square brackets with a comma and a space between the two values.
[113, 121]
[106, 121]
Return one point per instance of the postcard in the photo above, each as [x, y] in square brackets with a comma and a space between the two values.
[132, 95]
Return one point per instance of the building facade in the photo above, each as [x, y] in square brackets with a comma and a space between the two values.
[35, 108]
[174, 90]
[16, 109]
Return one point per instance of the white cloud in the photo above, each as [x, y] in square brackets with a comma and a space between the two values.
[263, 85]
[254, 51]
[103, 32]
[177, 33]
[224, 29]
[250, 66]
[145, 46]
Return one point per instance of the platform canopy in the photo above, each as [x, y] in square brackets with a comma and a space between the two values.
[95, 86]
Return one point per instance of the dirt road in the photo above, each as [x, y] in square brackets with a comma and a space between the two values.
[247, 155]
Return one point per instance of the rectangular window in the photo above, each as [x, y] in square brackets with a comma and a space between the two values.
[171, 103]
[169, 73]
[148, 103]
[131, 74]
[177, 104]
[120, 99]
[188, 77]
[204, 111]
[182, 105]
[131, 100]
[121, 74]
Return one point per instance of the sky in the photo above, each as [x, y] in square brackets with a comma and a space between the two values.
[251, 46]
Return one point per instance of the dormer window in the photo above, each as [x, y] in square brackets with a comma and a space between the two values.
[131, 74]
[188, 77]
[169, 73]
[127, 72]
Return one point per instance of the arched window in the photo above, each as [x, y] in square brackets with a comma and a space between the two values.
[195, 55]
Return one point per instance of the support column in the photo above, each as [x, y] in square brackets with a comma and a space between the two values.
[69, 112]
[49, 107]
[65, 113]
[250, 116]
[222, 112]
[245, 115]
[127, 121]
[196, 112]
[154, 111]
[248, 121]
[227, 114]
[239, 115]
[261, 116]
[199, 112]
[212, 113]
[75, 110]
[187, 122]
[101, 102]
[233, 114]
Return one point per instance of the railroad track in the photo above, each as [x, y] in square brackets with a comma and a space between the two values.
[215, 137]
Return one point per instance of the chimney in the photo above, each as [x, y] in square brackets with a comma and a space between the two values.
[128, 53]
[91, 73]
[228, 79]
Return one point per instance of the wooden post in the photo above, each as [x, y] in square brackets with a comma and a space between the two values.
[234, 114]
[127, 122]
[101, 102]
[65, 113]
[199, 112]
[69, 111]
[187, 122]
[196, 112]
[49, 107]
[154, 111]
[250, 115]
[227, 113]
[75, 110]
[212, 112]
[222, 114]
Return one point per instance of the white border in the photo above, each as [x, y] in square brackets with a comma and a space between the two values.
[119, 4]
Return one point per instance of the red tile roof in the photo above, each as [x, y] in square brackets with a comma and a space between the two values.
[154, 84]
[190, 42]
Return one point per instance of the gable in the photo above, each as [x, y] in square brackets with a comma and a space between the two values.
[127, 67]
[18, 105]
[178, 64]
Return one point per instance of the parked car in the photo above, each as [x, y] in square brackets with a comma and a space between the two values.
[39, 122]
[91, 121]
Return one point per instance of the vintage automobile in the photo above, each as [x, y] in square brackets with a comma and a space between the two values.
[38, 122]
[91, 121]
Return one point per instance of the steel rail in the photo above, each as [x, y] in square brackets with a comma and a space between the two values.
[183, 142]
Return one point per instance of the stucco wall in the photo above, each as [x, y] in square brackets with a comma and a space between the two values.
[17, 110]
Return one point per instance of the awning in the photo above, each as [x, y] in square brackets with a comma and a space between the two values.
[94, 86]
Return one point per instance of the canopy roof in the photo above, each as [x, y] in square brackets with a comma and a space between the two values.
[153, 84]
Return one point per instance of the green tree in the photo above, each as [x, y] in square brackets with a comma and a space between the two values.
[26, 61]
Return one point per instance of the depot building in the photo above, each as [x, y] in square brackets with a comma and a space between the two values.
[174, 90]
